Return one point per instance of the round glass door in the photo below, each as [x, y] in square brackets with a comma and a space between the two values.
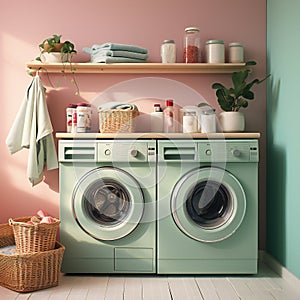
[208, 204]
[108, 203]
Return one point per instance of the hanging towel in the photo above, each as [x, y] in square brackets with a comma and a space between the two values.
[32, 129]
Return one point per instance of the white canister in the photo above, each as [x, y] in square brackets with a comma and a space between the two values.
[84, 117]
[208, 121]
[168, 52]
[189, 122]
[215, 51]
[69, 116]
[236, 52]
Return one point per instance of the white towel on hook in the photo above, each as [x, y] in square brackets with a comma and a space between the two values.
[32, 129]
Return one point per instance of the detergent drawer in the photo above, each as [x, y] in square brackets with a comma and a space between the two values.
[77, 151]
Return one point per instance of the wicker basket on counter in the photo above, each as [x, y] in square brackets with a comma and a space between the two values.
[34, 238]
[28, 272]
[117, 120]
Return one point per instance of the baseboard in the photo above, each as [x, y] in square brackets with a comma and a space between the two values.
[283, 272]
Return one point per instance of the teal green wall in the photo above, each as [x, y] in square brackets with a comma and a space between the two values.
[283, 133]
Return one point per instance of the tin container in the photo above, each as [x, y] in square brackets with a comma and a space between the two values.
[215, 51]
[236, 52]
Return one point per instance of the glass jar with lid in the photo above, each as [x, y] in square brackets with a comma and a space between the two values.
[191, 51]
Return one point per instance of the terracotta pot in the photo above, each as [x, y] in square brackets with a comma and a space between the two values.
[232, 121]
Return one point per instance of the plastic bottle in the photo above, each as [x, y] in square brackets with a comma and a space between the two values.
[83, 117]
[169, 117]
[69, 114]
[157, 119]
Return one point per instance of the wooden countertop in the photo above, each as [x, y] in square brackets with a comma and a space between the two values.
[153, 135]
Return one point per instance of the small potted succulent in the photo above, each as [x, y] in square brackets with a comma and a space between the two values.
[54, 50]
[232, 99]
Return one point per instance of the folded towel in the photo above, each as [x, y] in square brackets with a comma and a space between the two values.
[119, 53]
[32, 129]
[117, 105]
[113, 46]
[110, 59]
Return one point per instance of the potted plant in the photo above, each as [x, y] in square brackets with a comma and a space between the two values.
[232, 99]
[54, 50]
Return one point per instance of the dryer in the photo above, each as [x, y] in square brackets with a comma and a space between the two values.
[107, 206]
[207, 206]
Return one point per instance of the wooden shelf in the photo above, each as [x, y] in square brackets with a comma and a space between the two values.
[136, 68]
[153, 135]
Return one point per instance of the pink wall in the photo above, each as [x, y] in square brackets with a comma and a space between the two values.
[141, 23]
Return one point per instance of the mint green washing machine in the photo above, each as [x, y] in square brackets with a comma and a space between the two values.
[107, 206]
[207, 206]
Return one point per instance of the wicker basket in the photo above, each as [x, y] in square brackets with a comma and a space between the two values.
[34, 238]
[117, 120]
[28, 272]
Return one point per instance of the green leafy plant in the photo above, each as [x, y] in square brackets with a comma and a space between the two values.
[54, 44]
[236, 97]
[66, 48]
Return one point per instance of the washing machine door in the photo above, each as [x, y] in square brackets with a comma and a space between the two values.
[208, 204]
[108, 203]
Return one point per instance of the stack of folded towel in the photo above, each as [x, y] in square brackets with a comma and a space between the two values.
[117, 53]
[117, 105]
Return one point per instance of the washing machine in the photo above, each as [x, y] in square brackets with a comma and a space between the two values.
[107, 206]
[207, 205]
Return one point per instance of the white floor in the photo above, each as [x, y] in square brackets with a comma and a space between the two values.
[265, 285]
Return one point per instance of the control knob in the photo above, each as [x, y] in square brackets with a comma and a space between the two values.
[236, 152]
[134, 153]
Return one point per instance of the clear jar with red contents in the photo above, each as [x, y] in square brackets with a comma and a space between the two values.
[191, 50]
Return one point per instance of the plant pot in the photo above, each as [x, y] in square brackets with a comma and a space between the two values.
[232, 121]
[55, 57]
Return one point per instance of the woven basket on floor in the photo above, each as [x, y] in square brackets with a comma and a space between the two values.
[28, 272]
[34, 238]
[112, 121]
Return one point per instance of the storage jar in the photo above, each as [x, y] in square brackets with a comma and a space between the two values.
[189, 122]
[236, 52]
[191, 51]
[168, 51]
[215, 51]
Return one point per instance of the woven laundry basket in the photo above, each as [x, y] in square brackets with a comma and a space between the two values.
[28, 272]
[117, 120]
[31, 238]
